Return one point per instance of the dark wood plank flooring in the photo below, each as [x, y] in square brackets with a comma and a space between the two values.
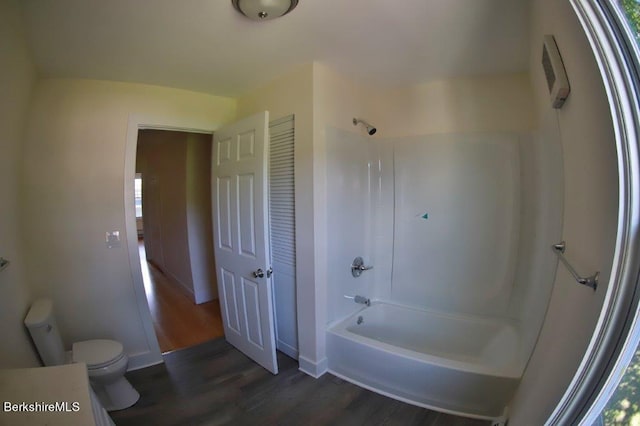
[177, 320]
[215, 384]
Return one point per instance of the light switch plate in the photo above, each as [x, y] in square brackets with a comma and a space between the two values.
[112, 239]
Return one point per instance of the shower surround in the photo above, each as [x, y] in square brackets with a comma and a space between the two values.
[457, 228]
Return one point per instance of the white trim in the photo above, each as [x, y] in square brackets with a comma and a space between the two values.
[135, 123]
[143, 360]
[314, 369]
[617, 332]
[287, 349]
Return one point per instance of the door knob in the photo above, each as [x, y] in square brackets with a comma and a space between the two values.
[260, 273]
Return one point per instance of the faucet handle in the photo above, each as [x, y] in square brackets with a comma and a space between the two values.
[358, 266]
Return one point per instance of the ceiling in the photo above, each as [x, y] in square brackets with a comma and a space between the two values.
[206, 46]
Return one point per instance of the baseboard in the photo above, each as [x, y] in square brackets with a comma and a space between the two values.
[143, 360]
[173, 279]
[186, 290]
[314, 369]
[287, 349]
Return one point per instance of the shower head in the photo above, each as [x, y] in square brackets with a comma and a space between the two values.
[370, 129]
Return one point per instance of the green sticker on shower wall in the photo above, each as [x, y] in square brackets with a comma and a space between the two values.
[425, 216]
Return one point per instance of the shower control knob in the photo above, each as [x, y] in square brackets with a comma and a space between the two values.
[357, 266]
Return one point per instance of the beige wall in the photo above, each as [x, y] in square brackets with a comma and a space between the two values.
[17, 77]
[590, 212]
[73, 184]
[501, 103]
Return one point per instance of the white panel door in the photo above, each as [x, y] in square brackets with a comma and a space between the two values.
[241, 240]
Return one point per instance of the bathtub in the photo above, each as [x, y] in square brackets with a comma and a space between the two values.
[457, 364]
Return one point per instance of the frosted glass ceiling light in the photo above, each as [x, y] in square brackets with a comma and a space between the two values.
[263, 10]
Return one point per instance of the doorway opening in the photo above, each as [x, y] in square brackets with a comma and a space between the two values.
[282, 300]
[173, 224]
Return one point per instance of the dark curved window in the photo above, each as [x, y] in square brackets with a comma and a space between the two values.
[631, 9]
[623, 407]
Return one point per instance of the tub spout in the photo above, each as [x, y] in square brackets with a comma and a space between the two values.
[360, 299]
[363, 300]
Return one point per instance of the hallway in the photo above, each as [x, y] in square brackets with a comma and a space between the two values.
[177, 320]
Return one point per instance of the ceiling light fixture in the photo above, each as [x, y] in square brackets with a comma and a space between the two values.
[264, 10]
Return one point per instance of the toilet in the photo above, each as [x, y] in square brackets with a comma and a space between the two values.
[105, 359]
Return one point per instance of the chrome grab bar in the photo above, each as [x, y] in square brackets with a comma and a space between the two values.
[591, 281]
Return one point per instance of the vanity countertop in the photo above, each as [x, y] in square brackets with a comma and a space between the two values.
[49, 396]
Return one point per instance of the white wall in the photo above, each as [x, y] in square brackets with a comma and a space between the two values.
[349, 220]
[17, 77]
[461, 258]
[590, 212]
[73, 183]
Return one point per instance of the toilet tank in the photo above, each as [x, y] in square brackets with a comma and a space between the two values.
[44, 332]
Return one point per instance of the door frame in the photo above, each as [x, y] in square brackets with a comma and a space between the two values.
[135, 123]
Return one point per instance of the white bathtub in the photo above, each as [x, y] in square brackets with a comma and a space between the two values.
[456, 364]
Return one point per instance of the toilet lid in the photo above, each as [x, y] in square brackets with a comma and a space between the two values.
[96, 353]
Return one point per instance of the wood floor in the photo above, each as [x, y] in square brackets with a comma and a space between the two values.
[215, 384]
[178, 321]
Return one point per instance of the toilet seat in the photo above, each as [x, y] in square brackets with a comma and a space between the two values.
[97, 353]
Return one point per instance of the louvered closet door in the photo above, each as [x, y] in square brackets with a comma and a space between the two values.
[283, 245]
